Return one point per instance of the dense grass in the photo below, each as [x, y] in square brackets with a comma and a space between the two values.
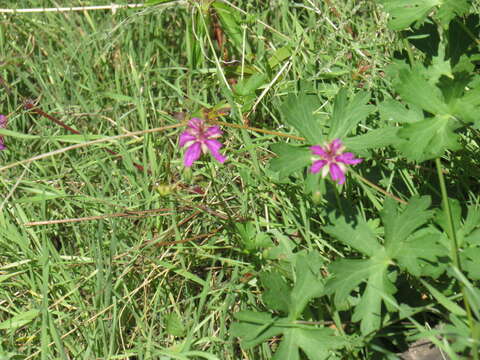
[166, 283]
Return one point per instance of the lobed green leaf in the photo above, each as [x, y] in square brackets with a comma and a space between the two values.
[299, 112]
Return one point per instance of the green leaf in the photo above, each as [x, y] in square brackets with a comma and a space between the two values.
[439, 67]
[18, 135]
[76, 139]
[194, 39]
[470, 263]
[309, 283]
[468, 237]
[347, 114]
[333, 72]
[7, 276]
[284, 249]
[368, 310]
[315, 343]
[412, 249]
[429, 138]
[253, 317]
[374, 139]
[155, 2]
[298, 112]
[473, 238]
[467, 107]
[391, 110]
[414, 86]
[288, 348]
[290, 159]
[227, 16]
[406, 239]
[19, 320]
[279, 56]
[455, 87]
[472, 223]
[175, 325]
[450, 9]
[442, 218]
[254, 327]
[347, 275]
[405, 12]
[120, 97]
[277, 292]
[450, 305]
[252, 240]
[360, 236]
[249, 85]
[417, 253]
[400, 225]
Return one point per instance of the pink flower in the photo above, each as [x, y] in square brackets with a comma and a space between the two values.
[3, 125]
[199, 139]
[333, 160]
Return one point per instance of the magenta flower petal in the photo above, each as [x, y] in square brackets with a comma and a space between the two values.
[318, 150]
[198, 138]
[335, 146]
[192, 154]
[317, 166]
[213, 132]
[185, 137]
[3, 124]
[195, 124]
[348, 158]
[214, 147]
[336, 173]
[332, 154]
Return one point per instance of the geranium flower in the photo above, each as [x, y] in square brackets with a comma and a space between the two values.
[333, 160]
[3, 125]
[198, 138]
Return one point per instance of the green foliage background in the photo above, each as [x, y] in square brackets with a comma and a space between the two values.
[244, 250]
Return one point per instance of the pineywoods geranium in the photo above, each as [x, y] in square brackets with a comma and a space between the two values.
[331, 158]
[3, 124]
[198, 139]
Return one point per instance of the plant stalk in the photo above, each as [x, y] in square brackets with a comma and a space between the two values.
[454, 253]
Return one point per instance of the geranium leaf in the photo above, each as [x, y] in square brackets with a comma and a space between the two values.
[450, 9]
[429, 138]
[348, 113]
[309, 283]
[391, 110]
[299, 112]
[399, 225]
[415, 86]
[405, 12]
[347, 275]
[360, 236]
[368, 311]
[315, 343]
[277, 292]
[374, 139]
[290, 158]
[415, 254]
[254, 328]
[410, 247]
